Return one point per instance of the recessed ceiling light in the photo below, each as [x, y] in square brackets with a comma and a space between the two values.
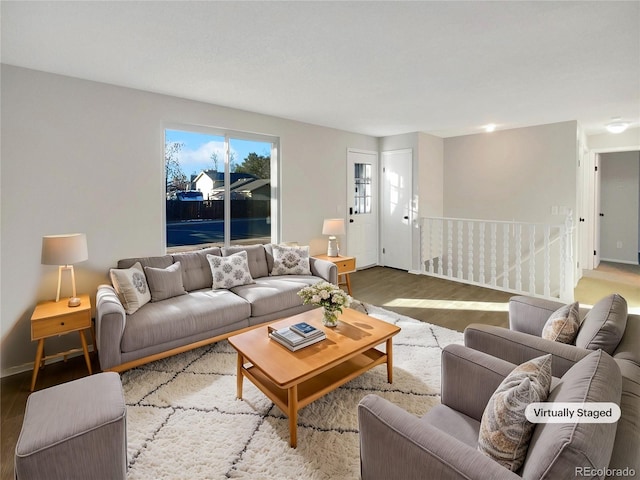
[490, 127]
[616, 125]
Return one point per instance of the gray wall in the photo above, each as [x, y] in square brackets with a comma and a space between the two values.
[619, 202]
[80, 156]
[512, 174]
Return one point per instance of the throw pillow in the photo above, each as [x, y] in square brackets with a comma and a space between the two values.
[563, 324]
[290, 260]
[231, 271]
[505, 431]
[131, 286]
[165, 282]
[604, 325]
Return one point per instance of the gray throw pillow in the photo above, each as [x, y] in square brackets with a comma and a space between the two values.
[505, 431]
[165, 282]
[290, 260]
[604, 325]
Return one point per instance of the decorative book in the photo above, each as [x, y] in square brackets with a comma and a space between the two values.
[304, 329]
[293, 340]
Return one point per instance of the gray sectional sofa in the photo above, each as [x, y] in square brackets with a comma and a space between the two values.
[195, 314]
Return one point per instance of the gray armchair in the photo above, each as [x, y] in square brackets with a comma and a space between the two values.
[443, 444]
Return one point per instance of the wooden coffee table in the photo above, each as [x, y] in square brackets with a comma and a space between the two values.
[292, 380]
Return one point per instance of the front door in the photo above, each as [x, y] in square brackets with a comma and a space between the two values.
[362, 207]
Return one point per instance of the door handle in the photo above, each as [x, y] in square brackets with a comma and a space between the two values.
[406, 217]
[350, 210]
[351, 220]
[602, 214]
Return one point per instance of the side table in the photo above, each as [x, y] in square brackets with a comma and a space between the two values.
[346, 265]
[51, 319]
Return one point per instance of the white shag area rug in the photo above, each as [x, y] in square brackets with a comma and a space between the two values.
[184, 421]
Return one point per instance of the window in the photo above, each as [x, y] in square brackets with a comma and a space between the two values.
[219, 188]
[362, 194]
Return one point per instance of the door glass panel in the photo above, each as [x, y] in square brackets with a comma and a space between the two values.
[362, 193]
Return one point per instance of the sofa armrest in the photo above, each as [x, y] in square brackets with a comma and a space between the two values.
[324, 269]
[395, 444]
[469, 378]
[518, 347]
[529, 314]
[110, 322]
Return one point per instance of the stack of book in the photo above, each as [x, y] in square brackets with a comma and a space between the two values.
[297, 336]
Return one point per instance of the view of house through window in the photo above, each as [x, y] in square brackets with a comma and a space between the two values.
[218, 189]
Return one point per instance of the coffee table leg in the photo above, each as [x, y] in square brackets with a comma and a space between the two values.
[239, 376]
[389, 361]
[293, 416]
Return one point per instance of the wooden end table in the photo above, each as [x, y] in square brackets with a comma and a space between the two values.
[346, 265]
[292, 380]
[53, 318]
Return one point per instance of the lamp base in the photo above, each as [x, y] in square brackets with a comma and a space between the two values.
[332, 247]
[74, 302]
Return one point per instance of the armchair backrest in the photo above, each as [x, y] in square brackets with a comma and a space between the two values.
[556, 449]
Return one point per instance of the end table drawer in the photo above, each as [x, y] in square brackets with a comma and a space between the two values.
[47, 327]
[345, 266]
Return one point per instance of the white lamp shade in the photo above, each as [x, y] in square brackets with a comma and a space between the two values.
[333, 226]
[64, 249]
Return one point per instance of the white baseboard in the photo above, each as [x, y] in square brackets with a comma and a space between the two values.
[614, 260]
[28, 367]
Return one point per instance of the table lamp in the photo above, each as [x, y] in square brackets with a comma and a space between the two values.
[64, 251]
[333, 227]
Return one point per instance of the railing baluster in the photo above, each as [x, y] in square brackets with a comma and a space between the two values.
[470, 254]
[547, 261]
[481, 253]
[431, 249]
[532, 259]
[441, 249]
[505, 255]
[450, 249]
[460, 258]
[518, 250]
[493, 254]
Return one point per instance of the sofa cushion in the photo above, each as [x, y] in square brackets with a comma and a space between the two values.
[273, 294]
[182, 316]
[557, 448]
[196, 271]
[256, 257]
[290, 260]
[604, 325]
[230, 271]
[165, 282]
[563, 324]
[504, 428]
[131, 286]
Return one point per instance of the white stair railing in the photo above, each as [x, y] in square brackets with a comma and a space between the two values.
[536, 259]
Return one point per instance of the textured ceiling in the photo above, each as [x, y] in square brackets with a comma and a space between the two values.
[379, 68]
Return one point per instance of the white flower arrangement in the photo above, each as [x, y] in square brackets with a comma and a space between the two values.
[327, 295]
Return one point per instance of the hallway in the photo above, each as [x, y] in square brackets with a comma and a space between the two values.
[608, 278]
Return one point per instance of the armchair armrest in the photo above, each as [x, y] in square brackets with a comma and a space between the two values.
[529, 314]
[395, 444]
[110, 322]
[324, 269]
[469, 378]
[518, 347]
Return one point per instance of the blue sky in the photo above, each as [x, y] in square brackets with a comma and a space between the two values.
[198, 147]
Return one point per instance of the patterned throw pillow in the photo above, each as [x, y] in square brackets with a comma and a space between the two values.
[290, 260]
[131, 286]
[505, 431]
[231, 271]
[563, 324]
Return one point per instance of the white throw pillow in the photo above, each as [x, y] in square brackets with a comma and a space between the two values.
[563, 324]
[131, 286]
[290, 260]
[505, 431]
[231, 271]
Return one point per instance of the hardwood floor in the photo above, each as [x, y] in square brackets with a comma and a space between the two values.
[441, 302]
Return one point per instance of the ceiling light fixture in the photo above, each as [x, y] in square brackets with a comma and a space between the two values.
[616, 125]
[490, 127]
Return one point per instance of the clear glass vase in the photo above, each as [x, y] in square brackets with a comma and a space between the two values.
[329, 317]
